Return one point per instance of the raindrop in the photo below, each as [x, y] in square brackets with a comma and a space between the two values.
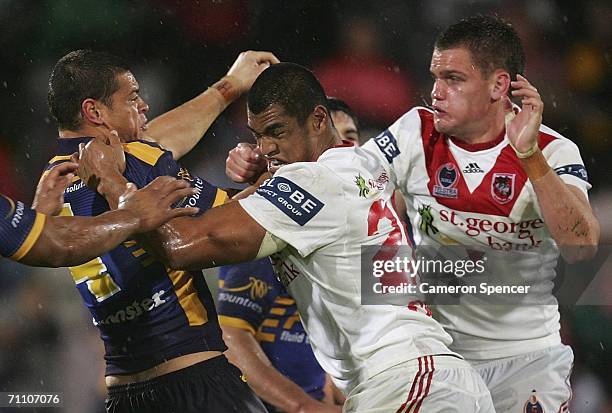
[5, 84]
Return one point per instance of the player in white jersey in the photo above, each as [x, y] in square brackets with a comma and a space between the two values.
[312, 217]
[473, 174]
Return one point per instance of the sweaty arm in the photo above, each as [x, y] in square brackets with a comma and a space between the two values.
[180, 129]
[565, 210]
[35, 239]
[564, 205]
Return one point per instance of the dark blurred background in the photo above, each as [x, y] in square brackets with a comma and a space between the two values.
[375, 55]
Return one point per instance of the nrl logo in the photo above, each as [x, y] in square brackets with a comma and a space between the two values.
[363, 187]
[427, 219]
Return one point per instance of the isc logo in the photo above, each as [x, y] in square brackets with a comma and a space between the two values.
[388, 145]
[294, 201]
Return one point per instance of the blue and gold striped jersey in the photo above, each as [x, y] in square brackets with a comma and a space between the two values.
[252, 298]
[146, 313]
[20, 228]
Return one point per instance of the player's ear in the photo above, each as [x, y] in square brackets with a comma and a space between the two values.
[90, 108]
[319, 118]
[500, 84]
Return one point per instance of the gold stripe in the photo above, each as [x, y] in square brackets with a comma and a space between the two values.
[265, 337]
[188, 297]
[144, 152]
[220, 198]
[278, 311]
[228, 321]
[138, 253]
[284, 301]
[129, 243]
[60, 158]
[270, 322]
[37, 228]
[221, 283]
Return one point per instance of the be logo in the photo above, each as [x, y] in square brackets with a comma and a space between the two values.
[388, 145]
[294, 201]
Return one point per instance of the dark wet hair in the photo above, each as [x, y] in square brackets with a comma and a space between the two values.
[80, 75]
[492, 43]
[289, 85]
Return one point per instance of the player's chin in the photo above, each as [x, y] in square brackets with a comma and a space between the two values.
[443, 125]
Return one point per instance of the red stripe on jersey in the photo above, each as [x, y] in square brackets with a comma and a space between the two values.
[499, 189]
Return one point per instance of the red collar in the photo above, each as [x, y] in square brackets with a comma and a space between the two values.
[475, 147]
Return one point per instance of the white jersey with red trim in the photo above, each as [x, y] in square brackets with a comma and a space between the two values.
[479, 195]
[325, 211]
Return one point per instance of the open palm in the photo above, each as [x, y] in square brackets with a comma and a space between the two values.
[522, 128]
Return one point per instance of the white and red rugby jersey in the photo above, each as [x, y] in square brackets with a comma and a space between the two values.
[325, 211]
[478, 195]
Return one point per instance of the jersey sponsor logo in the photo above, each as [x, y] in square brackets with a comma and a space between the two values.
[502, 187]
[296, 337]
[184, 174]
[473, 168]
[363, 187]
[380, 182]
[577, 170]
[294, 201]
[388, 145]
[134, 310]
[19, 210]
[257, 288]
[446, 180]
[532, 405]
[240, 300]
[285, 271]
[527, 230]
[75, 187]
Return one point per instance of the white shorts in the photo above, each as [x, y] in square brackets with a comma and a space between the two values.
[430, 384]
[519, 384]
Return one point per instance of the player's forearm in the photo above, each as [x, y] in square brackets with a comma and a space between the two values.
[220, 236]
[111, 187]
[267, 382]
[568, 217]
[180, 129]
[70, 241]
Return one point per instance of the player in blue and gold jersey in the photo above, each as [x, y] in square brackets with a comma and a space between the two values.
[34, 238]
[266, 339]
[159, 326]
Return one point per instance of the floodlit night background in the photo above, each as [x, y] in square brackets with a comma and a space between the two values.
[375, 55]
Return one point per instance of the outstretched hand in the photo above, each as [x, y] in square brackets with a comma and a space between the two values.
[248, 66]
[49, 198]
[522, 128]
[152, 205]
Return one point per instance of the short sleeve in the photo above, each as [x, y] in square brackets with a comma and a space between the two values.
[394, 145]
[564, 158]
[246, 293]
[20, 228]
[303, 204]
